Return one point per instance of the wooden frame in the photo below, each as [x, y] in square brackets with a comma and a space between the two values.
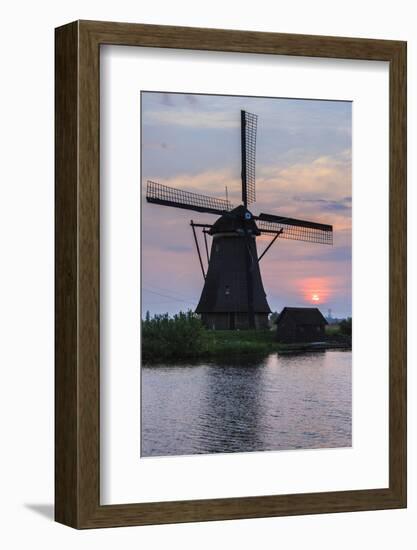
[77, 274]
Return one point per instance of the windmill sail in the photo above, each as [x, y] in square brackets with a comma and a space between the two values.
[249, 123]
[170, 196]
[298, 230]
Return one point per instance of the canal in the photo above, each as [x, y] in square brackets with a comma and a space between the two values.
[282, 401]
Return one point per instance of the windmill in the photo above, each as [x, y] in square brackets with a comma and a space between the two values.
[233, 295]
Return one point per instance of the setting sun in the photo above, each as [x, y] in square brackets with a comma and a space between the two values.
[316, 290]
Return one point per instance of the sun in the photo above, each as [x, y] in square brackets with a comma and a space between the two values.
[315, 297]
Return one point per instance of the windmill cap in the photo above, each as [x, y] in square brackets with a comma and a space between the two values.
[235, 222]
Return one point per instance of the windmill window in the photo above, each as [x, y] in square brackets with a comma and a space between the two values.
[227, 290]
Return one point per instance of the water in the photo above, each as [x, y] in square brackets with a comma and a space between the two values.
[297, 401]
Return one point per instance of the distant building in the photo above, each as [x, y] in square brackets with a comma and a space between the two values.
[300, 324]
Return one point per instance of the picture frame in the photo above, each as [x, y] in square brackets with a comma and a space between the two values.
[77, 293]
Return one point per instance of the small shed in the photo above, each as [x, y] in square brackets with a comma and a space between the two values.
[300, 324]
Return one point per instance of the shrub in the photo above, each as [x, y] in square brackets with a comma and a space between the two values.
[346, 326]
[179, 337]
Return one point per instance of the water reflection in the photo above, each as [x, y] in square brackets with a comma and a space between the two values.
[279, 402]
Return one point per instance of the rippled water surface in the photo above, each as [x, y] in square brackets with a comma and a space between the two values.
[300, 401]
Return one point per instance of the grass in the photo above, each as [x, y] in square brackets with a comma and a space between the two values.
[341, 331]
[332, 330]
[183, 337]
[242, 342]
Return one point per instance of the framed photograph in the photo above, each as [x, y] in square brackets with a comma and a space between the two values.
[230, 274]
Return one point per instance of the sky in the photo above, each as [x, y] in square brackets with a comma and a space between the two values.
[303, 170]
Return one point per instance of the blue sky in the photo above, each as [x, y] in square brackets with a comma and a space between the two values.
[303, 169]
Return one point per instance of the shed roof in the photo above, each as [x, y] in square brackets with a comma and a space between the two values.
[302, 315]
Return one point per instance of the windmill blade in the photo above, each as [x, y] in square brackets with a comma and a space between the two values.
[169, 196]
[249, 122]
[298, 230]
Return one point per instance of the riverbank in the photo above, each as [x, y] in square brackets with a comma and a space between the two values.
[221, 344]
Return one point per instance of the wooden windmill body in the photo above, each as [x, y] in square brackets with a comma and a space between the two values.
[233, 271]
[233, 296]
